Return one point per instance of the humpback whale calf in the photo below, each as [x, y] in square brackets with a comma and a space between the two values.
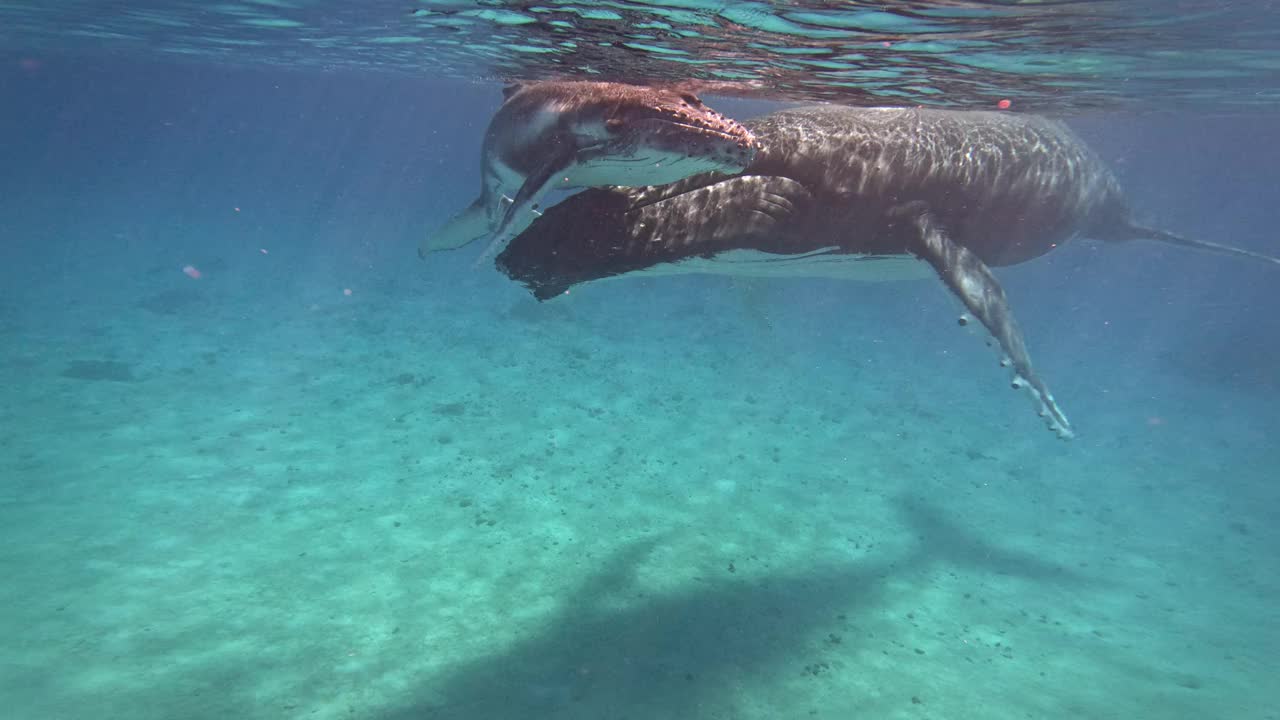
[575, 134]
[857, 192]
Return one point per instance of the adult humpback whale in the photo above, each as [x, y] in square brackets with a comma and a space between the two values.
[852, 192]
[577, 134]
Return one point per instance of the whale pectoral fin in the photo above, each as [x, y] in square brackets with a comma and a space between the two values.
[972, 281]
[518, 216]
[535, 185]
[746, 211]
[469, 225]
[611, 232]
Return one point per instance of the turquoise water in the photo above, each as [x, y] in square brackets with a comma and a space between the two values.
[1044, 55]
[324, 479]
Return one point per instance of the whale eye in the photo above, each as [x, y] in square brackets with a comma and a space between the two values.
[690, 98]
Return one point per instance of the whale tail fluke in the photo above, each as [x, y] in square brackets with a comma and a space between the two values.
[1140, 232]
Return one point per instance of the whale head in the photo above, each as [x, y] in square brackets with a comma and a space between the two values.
[637, 136]
[557, 135]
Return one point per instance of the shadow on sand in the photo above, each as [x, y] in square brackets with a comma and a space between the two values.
[691, 653]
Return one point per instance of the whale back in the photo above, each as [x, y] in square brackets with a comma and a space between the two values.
[1009, 187]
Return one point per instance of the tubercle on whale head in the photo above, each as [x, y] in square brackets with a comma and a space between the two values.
[678, 120]
[622, 118]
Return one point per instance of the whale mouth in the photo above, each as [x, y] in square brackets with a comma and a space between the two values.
[744, 138]
[732, 146]
[724, 130]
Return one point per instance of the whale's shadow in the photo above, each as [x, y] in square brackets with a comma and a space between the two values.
[679, 655]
